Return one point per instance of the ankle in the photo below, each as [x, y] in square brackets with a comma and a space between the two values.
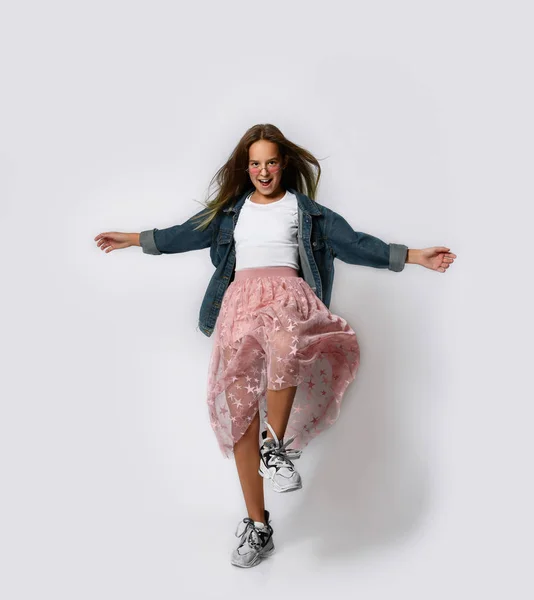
[257, 518]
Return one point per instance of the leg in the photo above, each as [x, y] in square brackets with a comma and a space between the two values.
[244, 420]
[282, 369]
[279, 403]
[246, 453]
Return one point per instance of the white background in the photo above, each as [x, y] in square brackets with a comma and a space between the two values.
[114, 117]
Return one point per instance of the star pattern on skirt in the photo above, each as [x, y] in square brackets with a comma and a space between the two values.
[262, 340]
[279, 380]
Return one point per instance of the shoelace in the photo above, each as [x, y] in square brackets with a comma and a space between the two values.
[280, 454]
[249, 534]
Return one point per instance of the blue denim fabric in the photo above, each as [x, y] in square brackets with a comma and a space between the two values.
[322, 236]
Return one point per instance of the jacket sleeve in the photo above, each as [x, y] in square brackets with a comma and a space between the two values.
[178, 238]
[357, 248]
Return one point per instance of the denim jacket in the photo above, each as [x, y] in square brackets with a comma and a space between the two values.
[322, 236]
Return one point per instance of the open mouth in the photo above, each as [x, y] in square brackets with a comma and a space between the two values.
[265, 182]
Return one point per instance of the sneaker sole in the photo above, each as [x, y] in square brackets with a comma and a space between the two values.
[277, 487]
[257, 560]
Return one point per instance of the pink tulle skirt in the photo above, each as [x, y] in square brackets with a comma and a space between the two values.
[273, 332]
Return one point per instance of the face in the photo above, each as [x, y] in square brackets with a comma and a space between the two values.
[265, 164]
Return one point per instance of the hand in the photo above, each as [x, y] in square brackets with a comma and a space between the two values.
[114, 240]
[437, 258]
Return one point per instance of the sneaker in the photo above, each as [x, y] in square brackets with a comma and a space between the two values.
[256, 542]
[276, 465]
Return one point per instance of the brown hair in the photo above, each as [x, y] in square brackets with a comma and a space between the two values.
[232, 179]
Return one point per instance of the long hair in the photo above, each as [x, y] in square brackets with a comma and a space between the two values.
[232, 179]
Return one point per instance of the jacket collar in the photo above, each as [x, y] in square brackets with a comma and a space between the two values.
[306, 204]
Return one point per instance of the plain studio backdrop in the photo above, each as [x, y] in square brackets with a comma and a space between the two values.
[114, 117]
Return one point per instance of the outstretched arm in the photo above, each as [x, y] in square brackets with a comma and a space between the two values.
[359, 248]
[178, 238]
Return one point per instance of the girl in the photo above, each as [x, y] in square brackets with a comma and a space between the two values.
[273, 247]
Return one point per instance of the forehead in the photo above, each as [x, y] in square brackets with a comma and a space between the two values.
[263, 149]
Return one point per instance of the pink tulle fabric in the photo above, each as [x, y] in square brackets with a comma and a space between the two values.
[273, 332]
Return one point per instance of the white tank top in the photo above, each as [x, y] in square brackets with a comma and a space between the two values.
[266, 234]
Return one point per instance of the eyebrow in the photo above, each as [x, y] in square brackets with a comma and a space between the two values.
[272, 158]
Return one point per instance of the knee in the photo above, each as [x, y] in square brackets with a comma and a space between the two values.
[280, 344]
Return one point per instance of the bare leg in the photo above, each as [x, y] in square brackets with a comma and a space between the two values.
[279, 403]
[247, 458]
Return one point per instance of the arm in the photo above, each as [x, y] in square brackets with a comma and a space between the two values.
[357, 248]
[178, 238]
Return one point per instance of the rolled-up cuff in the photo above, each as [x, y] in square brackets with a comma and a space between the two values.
[397, 256]
[146, 239]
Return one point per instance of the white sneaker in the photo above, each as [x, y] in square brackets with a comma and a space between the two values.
[256, 542]
[276, 465]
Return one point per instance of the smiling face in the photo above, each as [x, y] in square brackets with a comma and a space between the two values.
[265, 165]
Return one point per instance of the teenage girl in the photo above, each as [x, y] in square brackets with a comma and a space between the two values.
[273, 334]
